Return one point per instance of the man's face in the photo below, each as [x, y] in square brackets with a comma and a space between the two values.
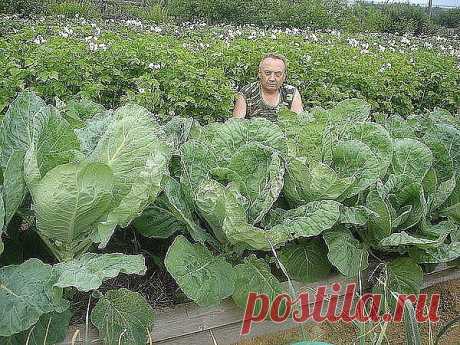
[272, 74]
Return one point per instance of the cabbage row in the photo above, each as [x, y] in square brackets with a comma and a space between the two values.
[318, 191]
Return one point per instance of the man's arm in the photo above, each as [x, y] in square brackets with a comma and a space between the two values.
[296, 105]
[239, 110]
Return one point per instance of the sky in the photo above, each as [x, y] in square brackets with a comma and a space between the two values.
[447, 3]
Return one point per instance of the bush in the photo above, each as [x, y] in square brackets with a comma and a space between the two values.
[448, 18]
[405, 18]
[314, 14]
[23, 7]
[74, 8]
[153, 13]
[363, 16]
[288, 13]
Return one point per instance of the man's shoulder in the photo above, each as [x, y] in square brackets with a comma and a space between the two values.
[249, 89]
[289, 88]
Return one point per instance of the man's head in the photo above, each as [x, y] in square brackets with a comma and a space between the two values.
[272, 71]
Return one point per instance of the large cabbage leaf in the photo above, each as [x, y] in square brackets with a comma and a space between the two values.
[308, 220]
[400, 276]
[14, 187]
[258, 175]
[411, 158]
[371, 134]
[353, 159]
[305, 131]
[306, 182]
[346, 252]
[89, 270]
[18, 124]
[51, 329]
[306, 261]
[202, 276]
[254, 275]
[223, 209]
[27, 292]
[123, 317]
[133, 148]
[68, 203]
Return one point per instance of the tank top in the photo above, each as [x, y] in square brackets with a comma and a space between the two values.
[257, 107]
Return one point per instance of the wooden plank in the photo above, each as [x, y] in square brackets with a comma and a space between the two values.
[196, 319]
[189, 324]
[440, 276]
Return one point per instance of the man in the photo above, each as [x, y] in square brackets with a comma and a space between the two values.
[266, 96]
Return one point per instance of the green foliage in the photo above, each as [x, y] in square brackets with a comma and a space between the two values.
[26, 294]
[72, 8]
[195, 76]
[89, 271]
[123, 317]
[449, 18]
[205, 278]
[327, 187]
[152, 13]
[405, 18]
[24, 7]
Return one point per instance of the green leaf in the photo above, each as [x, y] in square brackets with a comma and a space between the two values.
[123, 317]
[353, 159]
[443, 253]
[54, 141]
[158, 221]
[77, 111]
[257, 173]
[235, 133]
[402, 276]
[178, 130]
[379, 226]
[410, 195]
[404, 239]
[197, 162]
[309, 182]
[439, 230]
[14, 187]
[452, 212]
[90, 270]
[182, 210]
[356, 215]
[26, 293]
[443, 192]
[306, 261]
[371, 134]
[17, 130]
[211, 202]
[50, 329]
[94, 128]
[202, 276]
[411, 158]
[224, 212]
[345, 252]
[82, 194]
[132, 147]
[446, 136]
[309, 220]
[254, 275]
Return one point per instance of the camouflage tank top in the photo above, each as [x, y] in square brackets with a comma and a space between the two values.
[256, 106]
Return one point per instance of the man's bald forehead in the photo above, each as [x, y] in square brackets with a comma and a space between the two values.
[272, 62]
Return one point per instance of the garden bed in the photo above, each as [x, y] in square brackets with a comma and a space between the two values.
[190, 324]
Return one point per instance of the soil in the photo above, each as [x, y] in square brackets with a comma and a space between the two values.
[345, 333]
